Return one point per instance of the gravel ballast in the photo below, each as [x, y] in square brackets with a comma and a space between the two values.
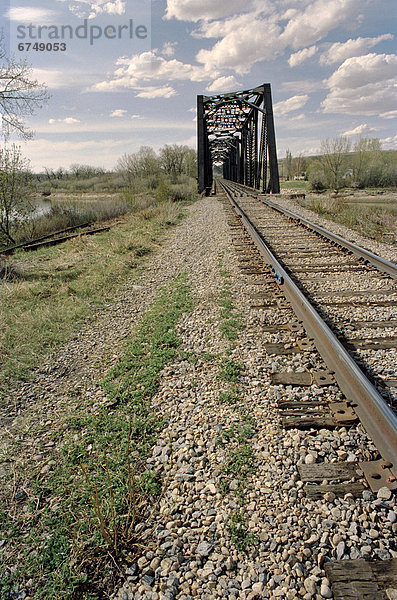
[190, 546]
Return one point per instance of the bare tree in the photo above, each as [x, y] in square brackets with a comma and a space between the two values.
[20, 94]
[173, 159]
[367, 152]
[143, 163]
[333, 159]
[14, 190]
[288, 164]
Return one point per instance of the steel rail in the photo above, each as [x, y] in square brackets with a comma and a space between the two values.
[376, 416]
[381, 264]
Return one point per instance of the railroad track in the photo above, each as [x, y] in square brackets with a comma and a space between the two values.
[344, 300]
[55, 238]
[346, 306]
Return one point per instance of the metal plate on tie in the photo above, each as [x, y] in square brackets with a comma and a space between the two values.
[305, 344]
[342, 412]
[323, 378]
[378, 475]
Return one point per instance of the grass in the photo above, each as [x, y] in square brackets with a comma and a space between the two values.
[241, 537]
[53, 290]
[231, 396]
[300, 185]
[230, 370]
[72, 533]
[374, 222]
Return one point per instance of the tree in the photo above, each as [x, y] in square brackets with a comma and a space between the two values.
[174, 159]
[14, 182]
[288, 164]
[143, 163]
[333, 160]
[299, 165]
[20, 94]
[366, 158]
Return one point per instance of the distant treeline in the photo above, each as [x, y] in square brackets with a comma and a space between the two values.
[341, 164]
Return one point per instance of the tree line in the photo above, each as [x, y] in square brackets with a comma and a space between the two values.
[343, 164]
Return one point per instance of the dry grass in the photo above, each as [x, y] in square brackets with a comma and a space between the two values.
[58, 287]
[372, 214]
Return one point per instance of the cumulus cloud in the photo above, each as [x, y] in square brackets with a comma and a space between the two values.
[151, 92]
[299, 57]
[265, 30]
[149, 66]
[339, 51]
[30, 14]
[119, 112]
[92, 8]
[196, 10]
[319, 17]
[224, 84]
[245, 41]
[67, 120]
[363, 85]
[293, 103]
[168, 49]
[359, 130]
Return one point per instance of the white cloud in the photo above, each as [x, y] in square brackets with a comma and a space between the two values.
[59, 79]
[224, 84]
[168, 49]
[339, 51]
[390, 114]
[293, 103]
[119, 112]
[312, 24]
[267, 29]
[92, 8]
[389, 143]
[299, 57]
[359, 130]
[148, 67]
[363, 85]
[30, 14]
[196, 10]
[67, 120]
[246, 39]
[152, 92]
[303, 86]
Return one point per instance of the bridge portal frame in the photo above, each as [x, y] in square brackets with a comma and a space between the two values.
[236, 130]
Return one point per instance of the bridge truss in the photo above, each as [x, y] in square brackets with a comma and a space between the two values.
[236, 133]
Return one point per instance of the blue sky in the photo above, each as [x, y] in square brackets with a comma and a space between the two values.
[332, 65]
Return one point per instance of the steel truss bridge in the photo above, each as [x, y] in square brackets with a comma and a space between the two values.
[236, 133]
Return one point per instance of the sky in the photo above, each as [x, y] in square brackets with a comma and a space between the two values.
[130, 70]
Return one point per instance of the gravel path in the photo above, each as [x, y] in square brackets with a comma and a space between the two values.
[191, 544]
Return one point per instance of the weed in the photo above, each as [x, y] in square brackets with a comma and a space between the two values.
[230, 370]
[231, 396]
[230, 328]
[241, 462]
[241, 537]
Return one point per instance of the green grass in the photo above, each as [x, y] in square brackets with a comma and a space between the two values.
[56, 289]
[300, 185]
[230, 371]
[231, 396]
[80, 523]
[241, 537]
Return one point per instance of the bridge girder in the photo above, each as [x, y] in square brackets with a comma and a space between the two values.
[236, 130]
